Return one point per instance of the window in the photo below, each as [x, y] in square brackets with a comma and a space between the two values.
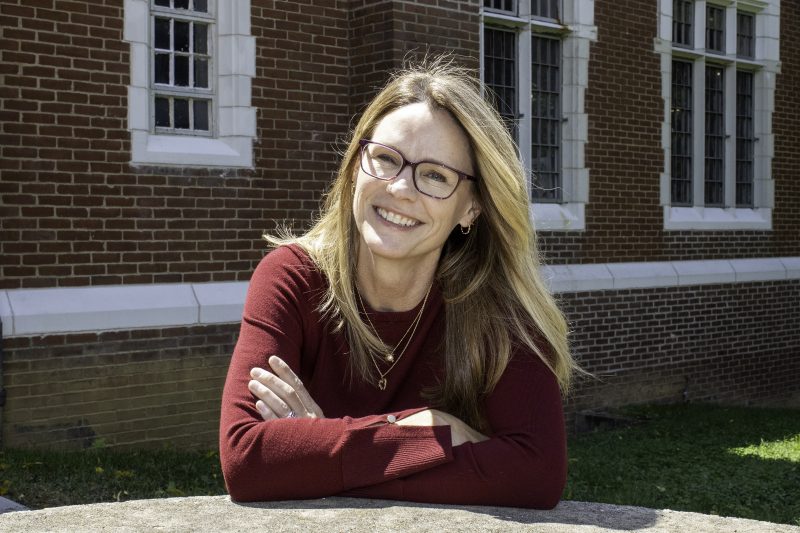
[683, 22]
[181, 61]
[715, 28]
[189, 97]
[534, 61]
[717, 172]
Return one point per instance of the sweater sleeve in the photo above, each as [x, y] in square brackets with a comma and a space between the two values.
[304, 458]
[523, 464]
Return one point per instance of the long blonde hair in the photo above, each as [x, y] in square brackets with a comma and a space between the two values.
[494, 295]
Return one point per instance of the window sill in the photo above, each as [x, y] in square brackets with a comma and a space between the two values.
[558, 217]
[717, 218]
[148, 149]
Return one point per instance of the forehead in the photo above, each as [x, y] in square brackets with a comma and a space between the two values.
[421, 133]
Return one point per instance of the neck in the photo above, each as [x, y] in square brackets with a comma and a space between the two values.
[388, 285]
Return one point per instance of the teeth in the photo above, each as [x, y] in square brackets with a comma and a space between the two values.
[396, 219]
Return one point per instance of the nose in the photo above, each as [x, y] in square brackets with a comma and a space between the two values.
[403, 185]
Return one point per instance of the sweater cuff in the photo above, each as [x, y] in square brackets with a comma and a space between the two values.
[382, 450]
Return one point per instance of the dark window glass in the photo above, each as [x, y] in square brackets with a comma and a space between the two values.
[715, 28]
[201, 73]
[181, 36]
[200, 108]
[181, 113]
[547, 9]
[683, 22]
[745, 139]
[181, 71]
[681, 117]
[162, 112]
[500, 73]
[501, 5]
[200, 38]
[546, 119]
[162, 3]
[715, 137]
[162, 68]
[162, 33]
[201, 6]
[181, 4]
[745, 35]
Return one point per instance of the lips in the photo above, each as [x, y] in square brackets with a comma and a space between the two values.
[395, 218]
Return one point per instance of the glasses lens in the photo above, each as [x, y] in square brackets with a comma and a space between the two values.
[381, 162]
[435, 180]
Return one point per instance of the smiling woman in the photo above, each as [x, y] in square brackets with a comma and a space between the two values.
[405, 347]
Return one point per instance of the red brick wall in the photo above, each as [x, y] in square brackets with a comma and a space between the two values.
[720, 343]
[731, 343]
[130, 388]
[625, 158]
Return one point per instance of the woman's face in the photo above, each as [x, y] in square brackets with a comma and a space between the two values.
[394, 220]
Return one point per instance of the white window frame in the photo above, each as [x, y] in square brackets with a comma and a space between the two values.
[577, 30]
[234, 118]
[765, 65]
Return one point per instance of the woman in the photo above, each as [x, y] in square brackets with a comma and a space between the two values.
[405, 347]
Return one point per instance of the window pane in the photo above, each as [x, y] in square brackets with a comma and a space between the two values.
[682, 22]
[161, 68]
[181, 71]
[200, 108]
[200, 38]
[201, 6]
[181, 113]
[681, 115]
[715, 28]
[161, 31]
[162, 112]
[547, 9]
[501, 5]
[181, 4]
[162, 3]
[201, 73]
[181, 41]
[715, 137]
[745, 35]
[546, 119]
[500, 72]
[745, 139]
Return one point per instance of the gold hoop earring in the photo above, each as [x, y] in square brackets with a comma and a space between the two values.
[469, 228]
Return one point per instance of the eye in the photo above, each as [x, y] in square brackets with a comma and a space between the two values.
[432, 175]
[386, 157]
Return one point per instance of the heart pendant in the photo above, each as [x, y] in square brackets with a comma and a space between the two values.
[382, 384]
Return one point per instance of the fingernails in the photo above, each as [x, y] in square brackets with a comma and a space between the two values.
[257, 373]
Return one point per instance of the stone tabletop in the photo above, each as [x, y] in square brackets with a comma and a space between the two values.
[218, 513]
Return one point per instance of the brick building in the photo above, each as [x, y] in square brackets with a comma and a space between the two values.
[147, 144]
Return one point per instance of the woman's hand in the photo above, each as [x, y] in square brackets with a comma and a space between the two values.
[281, 394]
[460, 432]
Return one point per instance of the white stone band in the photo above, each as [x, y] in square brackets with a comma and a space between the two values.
[27, 312]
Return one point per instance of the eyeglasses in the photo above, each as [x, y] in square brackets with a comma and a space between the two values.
[430, 178]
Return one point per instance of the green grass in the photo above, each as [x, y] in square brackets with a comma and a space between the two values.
[40, 479]
[742, 462]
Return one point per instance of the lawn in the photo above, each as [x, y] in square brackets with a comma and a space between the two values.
[741, 462]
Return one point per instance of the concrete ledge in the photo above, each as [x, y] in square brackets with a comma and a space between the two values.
[104, 308]
[218, 513]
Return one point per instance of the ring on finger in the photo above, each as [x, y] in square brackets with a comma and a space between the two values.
[291, 414]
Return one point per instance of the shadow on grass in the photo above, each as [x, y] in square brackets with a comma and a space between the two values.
[689, 458]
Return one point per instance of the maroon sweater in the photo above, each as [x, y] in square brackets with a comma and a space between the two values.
[355, 451]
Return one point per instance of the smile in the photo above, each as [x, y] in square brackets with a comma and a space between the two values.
[394, 218]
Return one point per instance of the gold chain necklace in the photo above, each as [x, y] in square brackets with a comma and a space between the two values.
[389, 356]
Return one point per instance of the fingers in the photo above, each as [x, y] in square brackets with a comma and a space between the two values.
[283, 371]
[269, 404]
